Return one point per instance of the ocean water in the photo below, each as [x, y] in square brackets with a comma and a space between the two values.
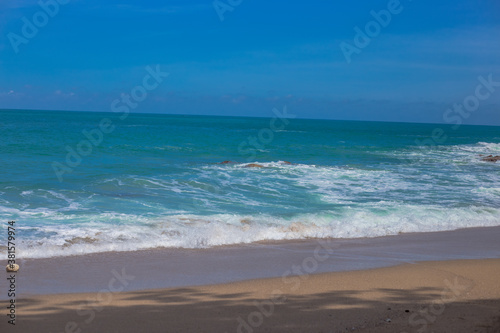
[82, 182]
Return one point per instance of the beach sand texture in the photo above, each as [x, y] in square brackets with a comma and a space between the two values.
[446, 296]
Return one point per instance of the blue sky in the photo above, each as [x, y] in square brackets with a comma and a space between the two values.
[264, 54]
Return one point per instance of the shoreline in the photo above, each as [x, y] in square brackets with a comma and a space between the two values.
[170, 268]
[444, 296]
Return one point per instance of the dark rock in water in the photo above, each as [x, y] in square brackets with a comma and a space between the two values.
[226, 162]
[286, 162]
[253, 165]
[491, 158]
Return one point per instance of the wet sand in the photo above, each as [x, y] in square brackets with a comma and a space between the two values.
[167, 268]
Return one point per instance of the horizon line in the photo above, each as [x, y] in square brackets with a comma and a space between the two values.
[245, 116]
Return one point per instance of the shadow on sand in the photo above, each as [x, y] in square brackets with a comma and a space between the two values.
[192, 310]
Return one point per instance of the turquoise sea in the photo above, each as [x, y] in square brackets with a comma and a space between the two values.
[85, 182]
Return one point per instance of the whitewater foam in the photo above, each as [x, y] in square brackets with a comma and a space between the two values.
[130, 232]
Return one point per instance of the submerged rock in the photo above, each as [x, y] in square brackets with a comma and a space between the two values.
[253, 165]
[491, 158]
[226, 162]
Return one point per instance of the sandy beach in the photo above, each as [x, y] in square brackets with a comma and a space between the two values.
[423, 282]
[448, 296]
[235, 166]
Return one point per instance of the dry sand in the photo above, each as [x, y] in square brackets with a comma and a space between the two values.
[445, 296]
